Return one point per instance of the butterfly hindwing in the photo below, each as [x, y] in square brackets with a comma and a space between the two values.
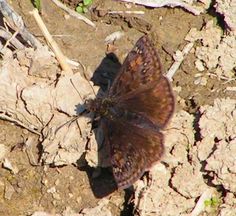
[133, 151]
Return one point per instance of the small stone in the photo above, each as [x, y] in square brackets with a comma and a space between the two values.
[57, 182]
[9, 191]
[78, 200]
[201, 81]
[199, 65]
[3, 151]
[54, 202]
[67, 16]
[7, 165]
[56, 196]
[45, 182]
[51, 190]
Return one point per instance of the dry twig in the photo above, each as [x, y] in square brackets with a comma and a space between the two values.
[59, 55]
[3, 116]
[178, 60]
[200, 203]
[74, 13]
[8, 37]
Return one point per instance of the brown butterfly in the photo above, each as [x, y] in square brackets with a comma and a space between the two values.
[139, 104]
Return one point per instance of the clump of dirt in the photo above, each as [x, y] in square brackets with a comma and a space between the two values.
[194, 166]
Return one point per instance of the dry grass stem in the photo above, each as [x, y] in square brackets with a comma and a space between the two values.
[74, 13]
[178, 61]
[59, 55]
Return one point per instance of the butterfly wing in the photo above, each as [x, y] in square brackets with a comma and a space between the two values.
[140, 86]
[143, 103]
[140, 69]
[133, 151]
[155, 104]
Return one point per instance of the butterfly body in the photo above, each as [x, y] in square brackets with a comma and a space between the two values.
[139, 104]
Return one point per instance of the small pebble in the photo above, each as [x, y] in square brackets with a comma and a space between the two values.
[51, 190]
[3, 151]
[9, 191]
[7, 165]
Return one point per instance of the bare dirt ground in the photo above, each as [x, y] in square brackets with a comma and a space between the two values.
[193, 162]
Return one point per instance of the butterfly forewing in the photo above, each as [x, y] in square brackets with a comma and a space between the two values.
[140, 69]
[156, 103]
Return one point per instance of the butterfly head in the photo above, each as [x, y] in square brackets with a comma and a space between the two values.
[100, 105]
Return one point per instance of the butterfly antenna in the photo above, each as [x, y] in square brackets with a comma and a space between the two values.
[92, 88]
[76, 117]
[71, 81]
[78, 91]
[85, 75]
[69, 121]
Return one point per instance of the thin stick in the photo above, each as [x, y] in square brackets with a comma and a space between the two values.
[8, 41]
[10, 119]
[207, 194]
[8, 36]
[55, 48]
[178, 62]
[69, 121]
[73, 13]
[221, 77]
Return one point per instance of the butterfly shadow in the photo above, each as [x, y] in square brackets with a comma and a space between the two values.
[101, 179]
